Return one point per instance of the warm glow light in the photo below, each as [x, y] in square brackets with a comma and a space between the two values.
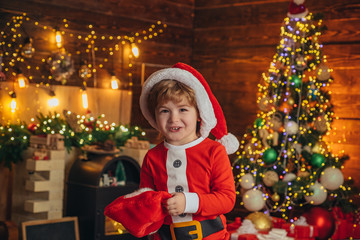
[53, 102]
[114, 82]
[58, 39]
[22, 80]
[85, 99]
[13, 105]
[135, 50]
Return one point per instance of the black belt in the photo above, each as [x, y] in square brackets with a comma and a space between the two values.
[191, 230]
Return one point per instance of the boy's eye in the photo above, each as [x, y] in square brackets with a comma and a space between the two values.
[163, 110]
[183, 109]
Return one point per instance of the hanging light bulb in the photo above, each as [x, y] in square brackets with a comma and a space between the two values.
[22, 80]
[13, 101]
[28, 49]
[115, 82]
[53, 101]
[84, 97]
[58, 38]
[135, 50]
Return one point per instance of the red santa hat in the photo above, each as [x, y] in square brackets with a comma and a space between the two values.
[141, 212]
[211, 114]
[297, 9]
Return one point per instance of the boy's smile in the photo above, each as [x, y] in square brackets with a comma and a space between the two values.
[177, 121]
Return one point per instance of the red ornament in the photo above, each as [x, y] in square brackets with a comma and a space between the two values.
[31, 127]
[323, 219]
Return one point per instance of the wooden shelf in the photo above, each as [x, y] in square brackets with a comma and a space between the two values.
[36, 206]
[37, 186]
[45, 165]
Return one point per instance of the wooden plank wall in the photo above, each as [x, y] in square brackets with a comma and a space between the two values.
[111, 17]
[234, 42]
[108, 17]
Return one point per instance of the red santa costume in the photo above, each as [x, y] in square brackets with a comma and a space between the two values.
[200, 169]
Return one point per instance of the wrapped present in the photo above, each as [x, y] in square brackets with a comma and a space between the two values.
[344, 226]
[239, 236]
[300, 231]
[277, 222]
[234, 225]
[343, 229]
[355, 231]
[246, 231]
[275, 234]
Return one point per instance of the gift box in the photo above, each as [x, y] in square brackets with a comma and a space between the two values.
[277, 222]
[355, 231]
[343, 229]
[234, 225]
[238, 236]
[300, 231]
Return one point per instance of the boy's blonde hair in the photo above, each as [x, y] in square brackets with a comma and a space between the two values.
[169, 90]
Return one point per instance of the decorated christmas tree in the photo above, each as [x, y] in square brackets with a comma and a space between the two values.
[284, 163]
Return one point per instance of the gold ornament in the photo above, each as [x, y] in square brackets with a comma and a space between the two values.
[323, 72]
[264, 103]
[270, 178]
[275, 197]
[320, 124]
[261, 221]
[303, 174]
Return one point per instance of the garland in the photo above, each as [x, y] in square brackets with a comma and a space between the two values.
[77, 130]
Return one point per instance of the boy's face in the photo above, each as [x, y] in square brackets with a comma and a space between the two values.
[177, 121]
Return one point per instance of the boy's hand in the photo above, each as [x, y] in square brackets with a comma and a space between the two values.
[176, 204]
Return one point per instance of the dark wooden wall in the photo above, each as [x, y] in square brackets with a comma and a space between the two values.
[234, 42]
[111, 17]
[108, 17]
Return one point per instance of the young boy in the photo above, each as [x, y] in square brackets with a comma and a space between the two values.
[196, 170]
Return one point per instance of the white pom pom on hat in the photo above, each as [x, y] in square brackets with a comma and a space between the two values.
[211, 114]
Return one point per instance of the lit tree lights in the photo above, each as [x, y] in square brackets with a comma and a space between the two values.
[283, 158]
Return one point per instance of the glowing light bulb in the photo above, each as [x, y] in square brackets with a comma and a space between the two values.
[13, 101]
[13, 105]
[84, 99]
[58, 39]
[53, 102]
[22, 80]
[135, 50]
[114, 82]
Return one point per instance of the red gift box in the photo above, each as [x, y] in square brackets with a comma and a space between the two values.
[355, 231]
[247, 236]
[234, 225]
[299, 231]
[277, 222]
[343, 229]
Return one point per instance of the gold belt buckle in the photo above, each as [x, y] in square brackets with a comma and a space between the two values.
[195, 223]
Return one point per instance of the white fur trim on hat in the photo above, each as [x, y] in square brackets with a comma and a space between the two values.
[206, 111]
[230, 142]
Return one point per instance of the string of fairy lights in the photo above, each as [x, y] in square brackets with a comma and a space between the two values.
[294, 104]
[17, 49]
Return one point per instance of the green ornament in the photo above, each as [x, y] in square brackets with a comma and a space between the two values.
[259, 122]
[317, 160]
[270, 156]
[295, 80]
